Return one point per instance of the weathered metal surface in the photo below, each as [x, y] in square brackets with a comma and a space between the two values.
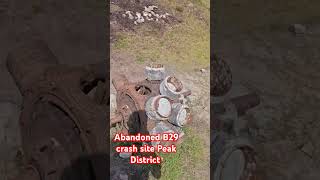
[237, 162]
[234, 157]
[165, 127]
[181, 114]
[158, 107]
[145, 108]
[131, 100]
[155, 72]
[221, 77]
[171, 87]
[57, 110]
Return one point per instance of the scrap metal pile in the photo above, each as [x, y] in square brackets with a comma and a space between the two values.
[233, 154]
[59, 122]
[155, 105]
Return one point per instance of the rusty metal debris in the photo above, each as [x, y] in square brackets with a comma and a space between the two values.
[221, 77]
[234, 156]
[171, 87]
[180, 114]
[158, 107]
[59, 122]
[155, 72]
[237, 162]
[159, 103]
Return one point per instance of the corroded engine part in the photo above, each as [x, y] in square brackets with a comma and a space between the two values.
[59, 122]
[158, 107]
[231, 153]
[181, 114]
[131, 98]
[165, 127]
[221, 77]
[171, 87]
[237, 161]
[155, 72]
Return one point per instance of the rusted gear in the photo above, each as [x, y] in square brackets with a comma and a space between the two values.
[56, 107]
[221, 77]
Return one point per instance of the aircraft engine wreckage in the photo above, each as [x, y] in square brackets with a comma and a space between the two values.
[159, 103]
[234, 157]
[59, 122]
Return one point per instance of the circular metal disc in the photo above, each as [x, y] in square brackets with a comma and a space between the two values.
[164, 108]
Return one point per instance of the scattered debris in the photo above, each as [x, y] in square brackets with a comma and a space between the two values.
[157, 111]
[171, 87]
[155, 72]
[147, 14]
[51, 120]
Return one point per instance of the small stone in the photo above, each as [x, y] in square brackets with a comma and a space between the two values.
[123, 15]
[135, 22]
[145, 13]
[203, 70]
[140, 20]
[138, 14]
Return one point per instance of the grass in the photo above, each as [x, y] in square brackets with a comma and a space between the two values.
[186, 44]
[189, 154]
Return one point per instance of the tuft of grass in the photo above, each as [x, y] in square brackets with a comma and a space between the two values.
[140, 60]
[122, 42]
